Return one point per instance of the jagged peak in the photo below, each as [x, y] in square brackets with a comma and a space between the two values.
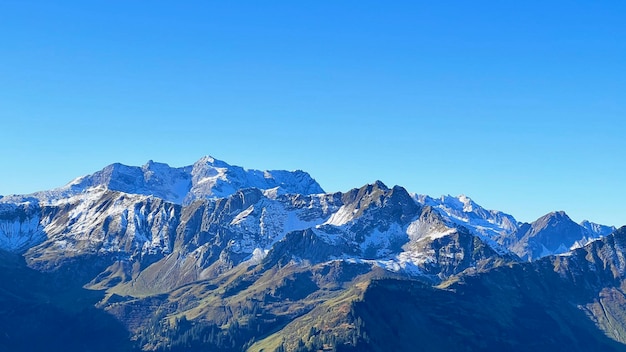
[586, 223]
[597, 229]
[151, 165]
[461, 202]
[365, 191]
[559, 215]
[400, 189]
[206, 178]
[380, 184]
[555, 219]
[429, 214]
[374, 187]
[208, 160]
[464, 199]
[113, 167]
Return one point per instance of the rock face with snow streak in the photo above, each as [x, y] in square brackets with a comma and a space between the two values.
[463, 211]
[20, 226]
[104, 223]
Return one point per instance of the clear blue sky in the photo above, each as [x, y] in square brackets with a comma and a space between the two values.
[520, 105]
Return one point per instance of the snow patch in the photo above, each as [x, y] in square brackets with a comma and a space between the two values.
[258, 255]
[341, 217]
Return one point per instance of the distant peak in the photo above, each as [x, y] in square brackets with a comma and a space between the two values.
[209, 160]
[206, 159]
[465, 199]
[115, 167]
[151, 164]
[596, 228]
[559, 214]
[448, 197]
[591, 223]
[468, 203]
[459, 202]
[555, 216]
[380, 184]
[370, 187]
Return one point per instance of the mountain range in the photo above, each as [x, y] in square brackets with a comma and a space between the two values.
[217, 257]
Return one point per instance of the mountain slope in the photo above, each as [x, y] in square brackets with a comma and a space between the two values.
[43, 312]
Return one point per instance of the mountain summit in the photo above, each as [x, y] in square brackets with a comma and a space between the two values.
[206, 178]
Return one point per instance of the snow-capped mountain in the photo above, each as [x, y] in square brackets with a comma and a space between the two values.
[463, 212]
[206, 178]
[553, 233]
[597, 230]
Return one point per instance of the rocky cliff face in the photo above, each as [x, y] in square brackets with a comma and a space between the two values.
[20, 226]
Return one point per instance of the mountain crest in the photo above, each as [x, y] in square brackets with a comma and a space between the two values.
[553, 233]
[206, 178]
[597, 229]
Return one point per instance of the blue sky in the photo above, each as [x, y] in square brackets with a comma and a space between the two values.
[519, 105]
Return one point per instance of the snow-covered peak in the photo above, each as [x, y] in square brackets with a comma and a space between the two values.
[206, 178]
[461, 202]
[155, 167]
[208, 160]
[467, 203]
[463, 211]
[553, 233]
[597, 229]
[212, 178]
